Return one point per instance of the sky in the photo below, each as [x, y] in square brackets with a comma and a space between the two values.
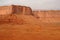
[34, 4]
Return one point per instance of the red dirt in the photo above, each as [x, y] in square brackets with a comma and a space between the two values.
[27, 26]
[29, 29]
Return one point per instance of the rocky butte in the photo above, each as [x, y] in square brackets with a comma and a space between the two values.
[18, 23]
[7, 13]
[48, 16]
[15, 9]
[16, 14]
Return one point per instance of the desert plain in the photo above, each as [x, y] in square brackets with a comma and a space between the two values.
[23, 23]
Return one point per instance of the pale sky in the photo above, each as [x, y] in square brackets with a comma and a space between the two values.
[35, 4]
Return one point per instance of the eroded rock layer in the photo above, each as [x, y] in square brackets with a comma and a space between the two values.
[48, 16]
[15, 9]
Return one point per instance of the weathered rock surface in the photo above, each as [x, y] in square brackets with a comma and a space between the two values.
[18, 19]
[15, 9]
[16, 14]
[42, 16]
[27, 27]
[48, 16]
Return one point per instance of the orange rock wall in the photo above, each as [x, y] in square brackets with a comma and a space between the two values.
[48, 16]
[5, 10]
[11, 18]
[43, 16]
[14, 9]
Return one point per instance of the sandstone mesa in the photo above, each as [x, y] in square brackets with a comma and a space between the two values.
[23, 23]
[13, 13]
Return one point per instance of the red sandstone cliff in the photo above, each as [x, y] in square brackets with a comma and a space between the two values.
[42, 16]
[15, 9]
[7, 14]
[48, 16]
[27, 26]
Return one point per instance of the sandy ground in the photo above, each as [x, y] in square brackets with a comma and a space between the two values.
[44, 31]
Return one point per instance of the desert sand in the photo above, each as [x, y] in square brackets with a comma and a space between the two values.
[28, 24]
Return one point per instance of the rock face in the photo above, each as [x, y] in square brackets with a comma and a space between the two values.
[5, 10]
[18, 19]
[48, 16]
[42, 16]
[15, 9]
[21, 9]
[7, 14]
